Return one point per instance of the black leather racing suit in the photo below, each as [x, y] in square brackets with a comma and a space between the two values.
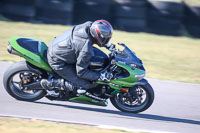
[69, 55]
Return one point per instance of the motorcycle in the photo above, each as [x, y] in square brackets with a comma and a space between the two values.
[127, 90]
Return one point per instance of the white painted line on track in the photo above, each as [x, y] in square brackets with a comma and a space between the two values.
[80, 123]
[131, 130]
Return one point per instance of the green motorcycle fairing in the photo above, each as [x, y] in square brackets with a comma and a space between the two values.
[88, 100]
[32, 50]
[128, 82]
[131, 79]
[115, 84]
[128, 61]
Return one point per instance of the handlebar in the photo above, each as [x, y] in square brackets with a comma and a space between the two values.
[112, 47]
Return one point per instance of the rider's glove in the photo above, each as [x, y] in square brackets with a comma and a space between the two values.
[105, 76]
[110, 46]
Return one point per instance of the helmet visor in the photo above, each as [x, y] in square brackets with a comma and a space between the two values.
[105, 40]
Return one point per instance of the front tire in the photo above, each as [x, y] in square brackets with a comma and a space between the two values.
[121, 100]
[13, 80]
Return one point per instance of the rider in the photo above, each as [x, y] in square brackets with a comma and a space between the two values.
[69, 56]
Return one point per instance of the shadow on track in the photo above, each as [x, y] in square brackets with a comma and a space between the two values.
[127, 115]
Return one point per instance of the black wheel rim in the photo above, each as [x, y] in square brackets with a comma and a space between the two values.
[16, 82]
[138, 102]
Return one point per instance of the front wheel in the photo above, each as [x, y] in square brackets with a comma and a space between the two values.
[16, 76]
[138, 99]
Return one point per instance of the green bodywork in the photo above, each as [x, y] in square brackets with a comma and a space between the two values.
[88, 100]
[131, 80]
[127, 81]
[37, 60]
[115, 84]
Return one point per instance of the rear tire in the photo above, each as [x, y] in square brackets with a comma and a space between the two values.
[13, 89]
[136, 109]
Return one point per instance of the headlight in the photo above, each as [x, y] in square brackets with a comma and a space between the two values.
[133, 66]
[139, 76]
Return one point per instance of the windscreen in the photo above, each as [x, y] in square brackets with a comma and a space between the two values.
[128, 56]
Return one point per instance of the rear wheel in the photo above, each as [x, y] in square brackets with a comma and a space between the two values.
[16, 76]
[138, 99]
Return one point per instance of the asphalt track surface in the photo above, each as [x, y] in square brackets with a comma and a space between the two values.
[176, 109]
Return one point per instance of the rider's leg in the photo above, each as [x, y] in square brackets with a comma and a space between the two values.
[68, 72]
[71, 81]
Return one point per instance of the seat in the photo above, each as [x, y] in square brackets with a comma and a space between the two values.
[35, 46]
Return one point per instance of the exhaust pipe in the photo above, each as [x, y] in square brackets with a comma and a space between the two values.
[34, 86]
[11, 50]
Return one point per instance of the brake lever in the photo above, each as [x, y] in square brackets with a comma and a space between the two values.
[121, 44]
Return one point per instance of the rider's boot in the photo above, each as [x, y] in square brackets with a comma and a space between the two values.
[83, 90]
[56, 83]
[61, 84]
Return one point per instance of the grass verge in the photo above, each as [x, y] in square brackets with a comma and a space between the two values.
[30, 126]
[164, 57]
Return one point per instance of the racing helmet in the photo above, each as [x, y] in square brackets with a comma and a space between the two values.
[101, 31]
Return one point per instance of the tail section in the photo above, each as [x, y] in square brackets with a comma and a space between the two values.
[34, 51]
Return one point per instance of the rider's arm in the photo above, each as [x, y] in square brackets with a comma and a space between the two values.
[83, 62]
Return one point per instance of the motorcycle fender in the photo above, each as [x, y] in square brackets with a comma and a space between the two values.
[33, 68]
[142, 82]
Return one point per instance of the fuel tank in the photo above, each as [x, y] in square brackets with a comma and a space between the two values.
[99, 60]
